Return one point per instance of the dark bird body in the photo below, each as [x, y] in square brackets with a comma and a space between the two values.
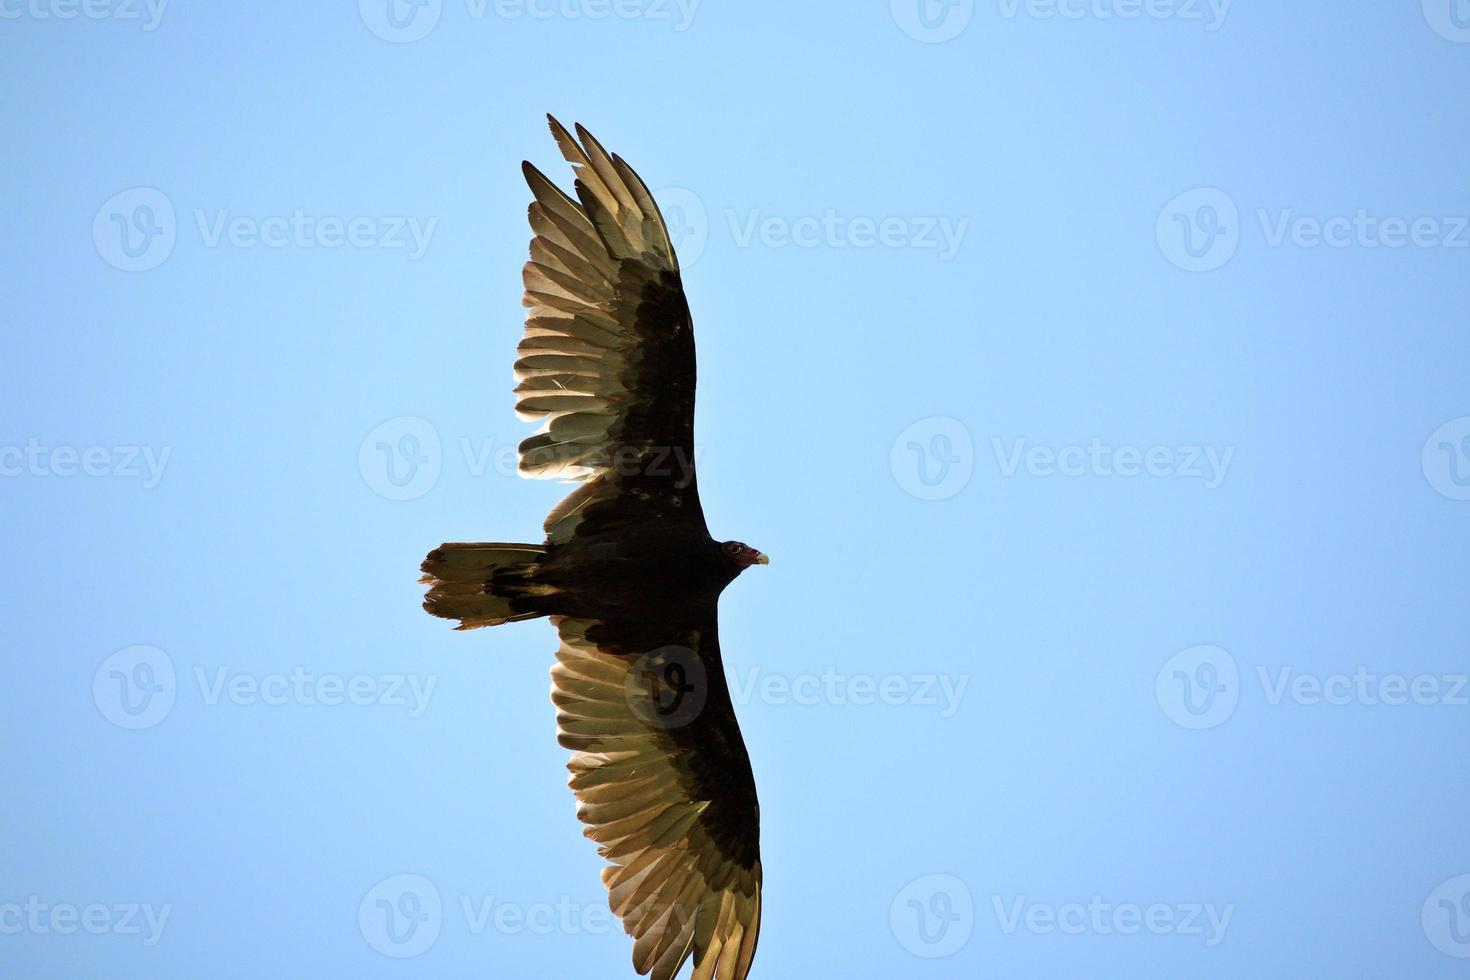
[642, 574]
[628, 573]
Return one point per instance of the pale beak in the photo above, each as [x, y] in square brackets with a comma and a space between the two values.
[762, 559]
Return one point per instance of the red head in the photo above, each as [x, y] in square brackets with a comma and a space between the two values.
[743, 555]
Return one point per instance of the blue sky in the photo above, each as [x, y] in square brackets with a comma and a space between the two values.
[1093, 372]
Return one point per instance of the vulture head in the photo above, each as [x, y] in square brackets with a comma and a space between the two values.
[743, 555]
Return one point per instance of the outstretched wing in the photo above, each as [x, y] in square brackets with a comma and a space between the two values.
[664, 786]
[608, 357]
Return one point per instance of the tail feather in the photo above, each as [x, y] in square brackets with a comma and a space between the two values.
[482, 584]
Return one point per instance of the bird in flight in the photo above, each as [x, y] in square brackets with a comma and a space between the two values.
[628, 573]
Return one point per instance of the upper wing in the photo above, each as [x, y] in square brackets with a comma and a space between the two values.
[608, 356]
[664, 786]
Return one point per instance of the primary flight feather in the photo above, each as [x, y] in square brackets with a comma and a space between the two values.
[628, 573]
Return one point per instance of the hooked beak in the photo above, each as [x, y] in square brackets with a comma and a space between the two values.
[762, 558]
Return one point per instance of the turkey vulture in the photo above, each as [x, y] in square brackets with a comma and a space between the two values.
[628, 573]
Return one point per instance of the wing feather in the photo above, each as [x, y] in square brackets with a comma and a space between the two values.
[671, 801]
[607, 362]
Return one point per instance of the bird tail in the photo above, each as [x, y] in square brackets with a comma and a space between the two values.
[483, 584]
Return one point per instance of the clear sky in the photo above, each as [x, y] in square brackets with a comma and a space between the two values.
[1093, 371]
